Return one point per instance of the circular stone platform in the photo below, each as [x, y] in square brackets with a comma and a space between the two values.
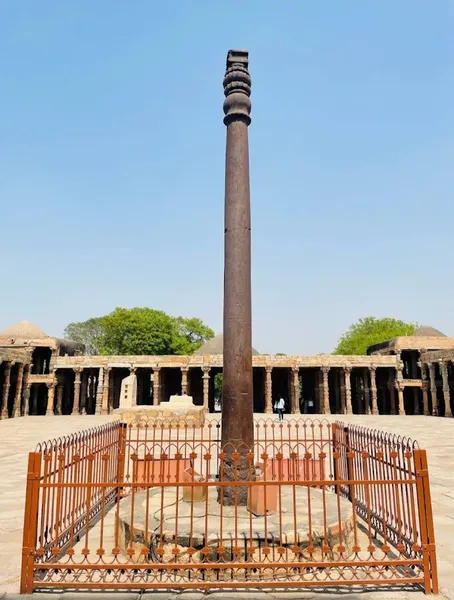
[289, 536]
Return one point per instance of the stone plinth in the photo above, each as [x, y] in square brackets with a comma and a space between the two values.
[128, 393]
[279, 532]
[180, 410]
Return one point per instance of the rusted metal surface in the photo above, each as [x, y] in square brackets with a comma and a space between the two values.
[136, 508]
[237, 406]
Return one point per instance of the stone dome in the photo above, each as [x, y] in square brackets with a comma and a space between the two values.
[427, 331]
[23, 330]
[215, 346]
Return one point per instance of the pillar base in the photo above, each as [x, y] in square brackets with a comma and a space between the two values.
[50, 413]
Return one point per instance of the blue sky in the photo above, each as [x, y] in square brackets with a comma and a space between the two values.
[112, 161]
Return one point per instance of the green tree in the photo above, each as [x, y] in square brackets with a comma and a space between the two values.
[369, 331]
[85, 332]
[140, 331]
[218, 379]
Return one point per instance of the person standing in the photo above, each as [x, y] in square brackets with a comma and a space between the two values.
[280, 408]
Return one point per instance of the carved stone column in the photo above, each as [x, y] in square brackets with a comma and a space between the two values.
[348, 390]
[373, 388]
[367, 410]
[268, 391]
[99, 391]
[18, 394]
[296, 391]
[446, 392]
[6, 388]
[27, 385]
[400, 395]
[58, 405]
[425, 388]
[76, 403]
[326, 410]
[433, 386]
[184, 380]
[206, 388]
[156, 386]
[105, 392]
[50, 398]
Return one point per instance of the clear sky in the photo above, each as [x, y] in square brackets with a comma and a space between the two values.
[112, 161]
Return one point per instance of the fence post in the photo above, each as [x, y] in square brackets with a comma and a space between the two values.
[426, 522]
[334, 443]
[347, 460]
[121, 458]
[30, 522]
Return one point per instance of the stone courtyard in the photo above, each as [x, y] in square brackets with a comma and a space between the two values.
[19, 436]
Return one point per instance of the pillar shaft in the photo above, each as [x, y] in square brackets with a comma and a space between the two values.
[18, 394]
[326, 410]
[184, 380]
[206, 388]
[433, 386]
[425, 387]
[296, 391]
[348, 391]
[268, 390]
[50, 398]
[446, 391]
[237, 404]
[373, 389]
[76, 404]
[58, 405]
[27, 385]
[105, 392]
[156, 386]
[5, 391]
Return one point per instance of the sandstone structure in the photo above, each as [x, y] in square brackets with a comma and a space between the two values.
[407, 375]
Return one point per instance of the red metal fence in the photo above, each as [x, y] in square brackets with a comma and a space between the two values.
[145, 506]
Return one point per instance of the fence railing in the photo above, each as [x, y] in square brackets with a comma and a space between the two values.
[160, 505]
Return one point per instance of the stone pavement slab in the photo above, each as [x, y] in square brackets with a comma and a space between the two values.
[20, 436]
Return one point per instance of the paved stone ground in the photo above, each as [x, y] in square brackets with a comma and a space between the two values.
[19, 436]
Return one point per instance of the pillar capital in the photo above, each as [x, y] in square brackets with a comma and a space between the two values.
[295, 369]
[206, 371]
[325, 369]
[372, 368]
[268, 369]
[156, 369]
[184, 368]
[347, 369]
[237, 87]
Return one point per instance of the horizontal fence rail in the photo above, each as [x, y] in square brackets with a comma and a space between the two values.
[160, 504]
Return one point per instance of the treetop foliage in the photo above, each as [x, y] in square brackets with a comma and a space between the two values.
[369, 331]
[139, 331]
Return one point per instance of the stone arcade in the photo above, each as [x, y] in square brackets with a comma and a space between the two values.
[407, 375]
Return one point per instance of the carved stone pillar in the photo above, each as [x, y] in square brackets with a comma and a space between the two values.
[27, 385]
[156, 386]
[348, 391]
[425, 388]
[400, 395]
[184, 380]
[76, 402]
[99, 391]
[326, 410]
[296, 391]
[206, 388]
[268, 391]
[50, 398]
[367, 410]
[446, 392]
[58, 405]
[6, 388]
[373, 388]
[18, 394]
[105, 392]
[433, 386]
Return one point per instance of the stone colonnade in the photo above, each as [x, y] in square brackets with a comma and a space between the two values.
[357, 387]
[431, 384]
